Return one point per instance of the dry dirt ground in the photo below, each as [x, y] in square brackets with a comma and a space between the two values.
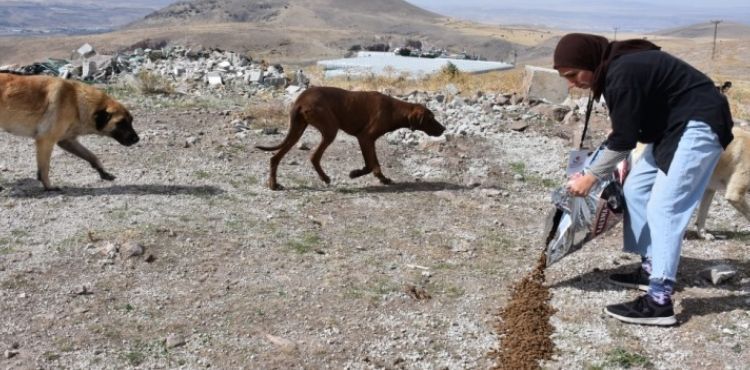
[353, 275]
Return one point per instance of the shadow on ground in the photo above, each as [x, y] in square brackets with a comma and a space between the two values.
[689, 275]
[401, 187]
[28, 188]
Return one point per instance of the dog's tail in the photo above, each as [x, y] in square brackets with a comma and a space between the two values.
[295, 117]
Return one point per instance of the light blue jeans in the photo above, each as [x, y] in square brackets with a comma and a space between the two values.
[659, 205]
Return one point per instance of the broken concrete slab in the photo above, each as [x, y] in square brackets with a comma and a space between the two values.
[544, 84]
[86, 51]
[214, 78]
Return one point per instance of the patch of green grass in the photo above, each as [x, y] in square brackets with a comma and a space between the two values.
[372, 289]
[235, 225]
[498, 241]
[625, 359]
[138, 352]
[518, 168]
[135, 357]
[542, 182]
[201, 175]
[15, 236]
[50, 356]
[241, 182]
[453, 291]
[65, 345]
[307, 243]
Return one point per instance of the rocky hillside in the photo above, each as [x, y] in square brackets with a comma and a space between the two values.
[286, 11]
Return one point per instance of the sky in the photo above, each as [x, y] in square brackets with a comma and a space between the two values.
[626, 15]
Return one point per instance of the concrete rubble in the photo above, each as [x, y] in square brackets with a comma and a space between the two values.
[185, 67]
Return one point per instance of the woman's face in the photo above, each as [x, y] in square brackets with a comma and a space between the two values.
[579, 78]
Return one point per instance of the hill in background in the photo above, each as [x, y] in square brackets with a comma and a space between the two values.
[280, 30]
[301, 32]
[70, 17]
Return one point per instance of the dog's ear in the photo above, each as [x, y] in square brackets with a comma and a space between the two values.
[416, 117]
[101, 117]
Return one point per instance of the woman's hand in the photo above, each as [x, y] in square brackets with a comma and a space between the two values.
[579, 186]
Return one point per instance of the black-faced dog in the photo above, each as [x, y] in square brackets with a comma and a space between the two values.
[53, 111]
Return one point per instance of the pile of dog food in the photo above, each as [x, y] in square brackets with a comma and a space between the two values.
[523, 326]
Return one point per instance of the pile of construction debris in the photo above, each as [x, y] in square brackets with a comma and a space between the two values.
[190, 67]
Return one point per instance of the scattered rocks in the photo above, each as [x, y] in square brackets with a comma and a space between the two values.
[719, 274]
[132, 249]
[174, 341]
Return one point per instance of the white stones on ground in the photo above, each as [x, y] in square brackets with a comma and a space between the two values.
[214, 78]
[303, 145]
[82, 290]
[293, 89]
[109, 250]
[174, 341]
[132, 249]
[255, 76]
[10, 354]
[719, 274]
[190, 141]
[240, 125]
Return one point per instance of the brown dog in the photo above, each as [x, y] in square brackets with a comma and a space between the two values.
[367, 115]
[53, 111]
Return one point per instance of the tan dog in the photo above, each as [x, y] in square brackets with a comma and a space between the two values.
[53, 111]
[732, 174]
[364, 114]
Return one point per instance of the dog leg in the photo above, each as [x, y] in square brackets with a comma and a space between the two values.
[366, 169]
[296, 129]
[735, 194]
[371, 160]
[328, 137]
[43, 156]
[700, 221]
[72, 146]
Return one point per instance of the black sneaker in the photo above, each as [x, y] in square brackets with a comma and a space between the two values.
[635, 280]
[643, 311]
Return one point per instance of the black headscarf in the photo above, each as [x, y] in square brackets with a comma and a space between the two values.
[594, 53]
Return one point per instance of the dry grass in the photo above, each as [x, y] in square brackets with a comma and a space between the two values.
[739, 99]
[393, 83]
[267, 113]
[149, 83]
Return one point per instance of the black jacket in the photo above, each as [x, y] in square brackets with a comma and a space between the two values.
[652, 95]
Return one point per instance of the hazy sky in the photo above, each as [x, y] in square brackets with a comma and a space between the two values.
[593, 14]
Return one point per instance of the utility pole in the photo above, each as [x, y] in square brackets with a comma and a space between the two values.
[615, 38]
[716, 27]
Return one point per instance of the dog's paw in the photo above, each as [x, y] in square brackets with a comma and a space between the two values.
[357, 173]
[386, 181]
[107, 176]
[275, 187]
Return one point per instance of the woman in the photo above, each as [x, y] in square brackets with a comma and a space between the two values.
[660, 100]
